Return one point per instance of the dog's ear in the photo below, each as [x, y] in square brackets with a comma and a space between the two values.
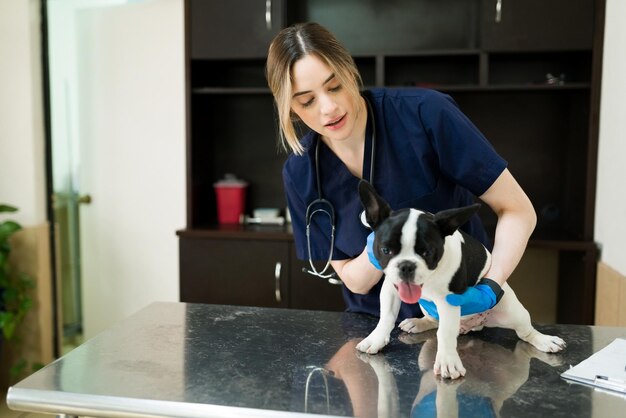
[451, 219]
[376, 209]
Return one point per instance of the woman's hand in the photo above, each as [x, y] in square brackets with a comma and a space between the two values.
[478, 298]
[359, 274]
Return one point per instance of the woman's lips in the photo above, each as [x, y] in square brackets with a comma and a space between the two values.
[336, 123]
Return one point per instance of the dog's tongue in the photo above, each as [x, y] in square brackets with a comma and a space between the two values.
[409, 293]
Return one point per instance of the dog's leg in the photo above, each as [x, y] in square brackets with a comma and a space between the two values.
[448, 363]
[510, 313]
[529, 351]
[389, 308]
[388, 399]
[415, 325]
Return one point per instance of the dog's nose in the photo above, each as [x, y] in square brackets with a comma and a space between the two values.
[406, 269]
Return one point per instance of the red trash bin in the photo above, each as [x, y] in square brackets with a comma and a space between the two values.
[230, 194]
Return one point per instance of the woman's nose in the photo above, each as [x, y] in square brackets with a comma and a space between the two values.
[327, 104]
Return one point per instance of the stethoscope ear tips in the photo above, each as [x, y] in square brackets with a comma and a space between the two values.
[364, 220]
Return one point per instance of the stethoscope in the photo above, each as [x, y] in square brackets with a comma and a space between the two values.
[323, 372]
[323, 206]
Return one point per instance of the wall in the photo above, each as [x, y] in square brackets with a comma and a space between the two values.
[22, 178]
[142, 128]
[22, 174]
[610, 223]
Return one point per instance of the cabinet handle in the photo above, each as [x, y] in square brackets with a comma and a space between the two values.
[498, 11]
[277, 281]
[268, 14]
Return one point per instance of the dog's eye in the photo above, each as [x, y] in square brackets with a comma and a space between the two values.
[427, 253]
[385, 251]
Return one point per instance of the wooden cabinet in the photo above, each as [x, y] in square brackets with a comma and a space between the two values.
[235, 266]
[530, 82]
[235, 272]
[233, 28]
[537, 25]
[311, 292]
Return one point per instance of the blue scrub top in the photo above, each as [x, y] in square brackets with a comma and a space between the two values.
[428, 155]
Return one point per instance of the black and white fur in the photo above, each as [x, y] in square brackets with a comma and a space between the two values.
[428, 250]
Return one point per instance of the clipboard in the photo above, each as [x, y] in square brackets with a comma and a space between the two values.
[605, 369]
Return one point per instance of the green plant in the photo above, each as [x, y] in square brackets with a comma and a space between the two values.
[15, 299]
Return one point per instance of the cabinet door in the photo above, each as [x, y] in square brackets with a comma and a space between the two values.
[537, 25]
[311, 292]
[234, 272]
[233, 28]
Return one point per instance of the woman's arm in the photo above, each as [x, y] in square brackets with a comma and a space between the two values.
[358, 274]
[516, 221]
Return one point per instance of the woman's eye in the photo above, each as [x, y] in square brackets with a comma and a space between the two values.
[335, 89]
[308, 103]
[385, 251]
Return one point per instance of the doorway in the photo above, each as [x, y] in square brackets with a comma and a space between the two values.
[117, 155]
[66, 57]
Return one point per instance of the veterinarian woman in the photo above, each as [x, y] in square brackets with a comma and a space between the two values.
[414, 145]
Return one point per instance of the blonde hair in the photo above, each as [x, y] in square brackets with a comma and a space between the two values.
[292, 44]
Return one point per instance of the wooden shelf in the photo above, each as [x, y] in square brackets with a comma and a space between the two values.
[230, 90]
[445, 88]
[539, 87]
[563, 245]
[284, 233]
[235, 231]
[495, 72]
[429, 53]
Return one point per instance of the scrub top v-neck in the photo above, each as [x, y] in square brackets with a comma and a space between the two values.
[428, 155]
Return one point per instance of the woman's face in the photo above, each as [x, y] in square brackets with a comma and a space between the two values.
[321, 101]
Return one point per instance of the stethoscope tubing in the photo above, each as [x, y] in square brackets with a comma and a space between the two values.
[320, 201]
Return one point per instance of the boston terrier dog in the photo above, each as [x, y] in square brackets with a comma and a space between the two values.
[426, 257]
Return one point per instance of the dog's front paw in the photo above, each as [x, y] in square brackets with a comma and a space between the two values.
[415, 325]
[547, 343]
[378, 363]
[528, 350]
[372, 344]
[449, 365]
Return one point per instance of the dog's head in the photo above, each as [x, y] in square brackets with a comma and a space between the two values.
[409, 243]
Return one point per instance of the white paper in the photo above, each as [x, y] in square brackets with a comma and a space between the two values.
[609, 362]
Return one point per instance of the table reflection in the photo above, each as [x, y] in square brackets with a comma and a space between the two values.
[506, 377]
[306, 361]
[494, 374]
